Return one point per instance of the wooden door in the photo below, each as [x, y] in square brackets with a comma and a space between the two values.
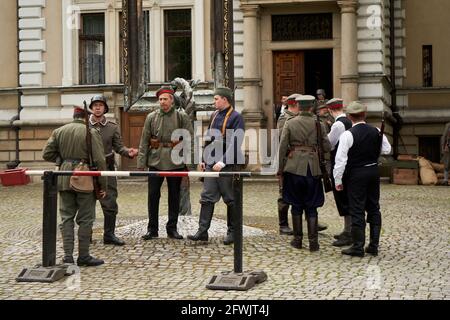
[132, 125]
[289, 73]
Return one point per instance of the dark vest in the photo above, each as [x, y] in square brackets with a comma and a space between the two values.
[365, 148]
[347, 124]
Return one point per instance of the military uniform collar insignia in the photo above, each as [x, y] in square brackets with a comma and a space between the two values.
[102, 122]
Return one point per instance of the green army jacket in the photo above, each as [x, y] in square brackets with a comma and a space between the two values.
[160, 125]
[69, 143]
[282, 120]
[111, 138]
[301, 131]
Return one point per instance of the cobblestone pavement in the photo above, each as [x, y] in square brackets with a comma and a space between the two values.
[413, 262]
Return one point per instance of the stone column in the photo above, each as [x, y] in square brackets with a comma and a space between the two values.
[252, 74]
[252, 111]
[349, 51]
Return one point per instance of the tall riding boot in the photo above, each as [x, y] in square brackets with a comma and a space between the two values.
[229, 239]
[206, 213]
[298, 231]
[283, 210]
[313, 235]
[84, 258]
[68, 237]
[109, 228]
[358, 237]
[375, 231]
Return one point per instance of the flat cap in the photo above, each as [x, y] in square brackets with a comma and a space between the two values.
[335, 103]
[224, 92]
[306, 101]
[356, 107]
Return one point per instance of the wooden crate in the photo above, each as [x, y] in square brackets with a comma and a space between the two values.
[405, 176]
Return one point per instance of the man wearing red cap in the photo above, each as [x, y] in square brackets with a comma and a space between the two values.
[155, 153]
[68, 143]
[341, 124]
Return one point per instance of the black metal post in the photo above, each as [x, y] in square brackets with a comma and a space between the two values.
[237, 221]
[49, 219]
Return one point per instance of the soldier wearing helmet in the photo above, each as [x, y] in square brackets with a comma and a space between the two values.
[112, 142]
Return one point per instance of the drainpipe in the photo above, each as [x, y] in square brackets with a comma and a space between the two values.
[15, 163]
[397, 124]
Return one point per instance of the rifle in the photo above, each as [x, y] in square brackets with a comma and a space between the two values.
[325, 177]
[97, 188]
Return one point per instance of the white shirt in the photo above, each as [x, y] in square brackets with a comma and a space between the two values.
[345, 143]
[337, 129]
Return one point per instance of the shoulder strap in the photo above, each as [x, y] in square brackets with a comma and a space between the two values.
[227, 116]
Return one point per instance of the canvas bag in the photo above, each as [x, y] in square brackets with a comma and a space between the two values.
[83, 184]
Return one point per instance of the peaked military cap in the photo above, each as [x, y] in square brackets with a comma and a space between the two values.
[356, 107]
[164, 89]
[335, 103]
[292, 99]
[99, 98]
[224, 92]
[306, 101]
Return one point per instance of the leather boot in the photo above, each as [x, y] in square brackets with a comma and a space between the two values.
[206, 213]
[313, 235]
[357, 249]
[109, 228]
[68, 237]
[84, 258]
[173, 234]
[298, 231]
[283, 210]
[344, 240]
[229, 239]
[372, 248]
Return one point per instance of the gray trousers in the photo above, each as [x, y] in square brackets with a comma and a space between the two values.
[79, 207]
[215, 188]
[109, 203]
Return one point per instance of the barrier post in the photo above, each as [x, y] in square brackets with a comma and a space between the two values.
[237, 221]
[237, 279]
[48, 272]
[49, 219]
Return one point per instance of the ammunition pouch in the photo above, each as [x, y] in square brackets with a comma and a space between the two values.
[156, 144]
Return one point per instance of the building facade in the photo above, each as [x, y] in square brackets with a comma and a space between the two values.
[389, 54]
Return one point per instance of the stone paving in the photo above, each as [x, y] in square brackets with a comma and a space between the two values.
[413, 262]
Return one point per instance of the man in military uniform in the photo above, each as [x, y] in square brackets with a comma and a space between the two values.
[302, 185]
[112, 140]
[445, 147]
[321, 97]
[68, 143]
[357, 155]
[283, 207]
[224, 132]
[155, 153]
[341, 124]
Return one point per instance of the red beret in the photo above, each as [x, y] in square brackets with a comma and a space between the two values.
[168, 90]
[78, 111]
